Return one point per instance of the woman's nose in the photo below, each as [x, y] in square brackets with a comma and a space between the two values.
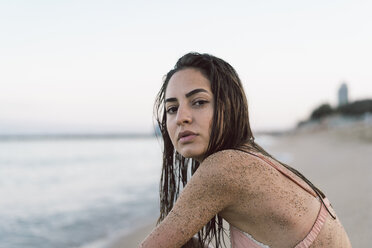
[183, 115]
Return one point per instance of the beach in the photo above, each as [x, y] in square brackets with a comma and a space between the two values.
[337, 160]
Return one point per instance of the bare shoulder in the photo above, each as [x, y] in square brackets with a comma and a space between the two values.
[231, 160]
[242, 172]
[230, 166]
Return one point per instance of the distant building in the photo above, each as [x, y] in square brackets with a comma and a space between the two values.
[343, 95]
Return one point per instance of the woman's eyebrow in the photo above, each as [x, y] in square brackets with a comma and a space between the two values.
[193, 92]
[172, 99]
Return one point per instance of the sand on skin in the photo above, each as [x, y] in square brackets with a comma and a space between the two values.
[338, 161]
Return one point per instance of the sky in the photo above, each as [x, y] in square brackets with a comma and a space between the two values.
[96, 66]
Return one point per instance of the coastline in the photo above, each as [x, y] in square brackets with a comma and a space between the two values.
[335, 160]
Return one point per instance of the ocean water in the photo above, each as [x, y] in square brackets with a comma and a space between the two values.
[77, 192]
[70, 193]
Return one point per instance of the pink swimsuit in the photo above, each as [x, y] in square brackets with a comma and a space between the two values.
[240, 239]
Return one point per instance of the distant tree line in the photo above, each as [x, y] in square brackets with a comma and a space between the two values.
[353, 109]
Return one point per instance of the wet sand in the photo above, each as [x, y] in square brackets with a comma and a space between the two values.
[338, 161]
[133, 239]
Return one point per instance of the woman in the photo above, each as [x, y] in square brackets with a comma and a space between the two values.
[202, 113]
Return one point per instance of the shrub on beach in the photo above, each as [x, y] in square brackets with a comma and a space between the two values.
[356, 108]
[322, 111]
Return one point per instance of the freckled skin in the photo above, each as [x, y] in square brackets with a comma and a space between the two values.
[251, 195]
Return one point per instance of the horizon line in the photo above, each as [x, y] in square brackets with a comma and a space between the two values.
[45, 136]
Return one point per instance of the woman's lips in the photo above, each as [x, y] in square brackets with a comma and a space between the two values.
[186, 136]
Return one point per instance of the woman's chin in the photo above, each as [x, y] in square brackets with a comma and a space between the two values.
[193, 155]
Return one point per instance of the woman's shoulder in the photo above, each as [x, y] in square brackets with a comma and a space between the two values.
[225, 172]
[231, 160]
[232, 155]
[232, 171]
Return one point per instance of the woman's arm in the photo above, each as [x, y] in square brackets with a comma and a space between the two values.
[210, 190]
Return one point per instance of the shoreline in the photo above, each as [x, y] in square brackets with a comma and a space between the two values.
[134, 237]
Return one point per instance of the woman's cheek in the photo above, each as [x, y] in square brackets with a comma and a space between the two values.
[171, 133]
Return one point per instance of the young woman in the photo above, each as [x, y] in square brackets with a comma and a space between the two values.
[202, 113]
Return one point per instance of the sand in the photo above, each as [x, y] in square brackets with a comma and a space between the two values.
[338, 161]
[133, 239]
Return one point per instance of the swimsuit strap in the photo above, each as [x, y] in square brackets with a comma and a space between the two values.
[315, 230]
[284, 172]
[240, 239]
[295, 180]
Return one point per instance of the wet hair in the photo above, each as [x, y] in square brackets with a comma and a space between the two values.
[230, 130]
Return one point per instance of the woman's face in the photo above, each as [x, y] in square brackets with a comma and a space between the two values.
[189, 108]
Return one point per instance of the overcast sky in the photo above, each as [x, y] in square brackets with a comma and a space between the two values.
[96, 66]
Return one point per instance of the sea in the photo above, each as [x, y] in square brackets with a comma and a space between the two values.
[77, 192]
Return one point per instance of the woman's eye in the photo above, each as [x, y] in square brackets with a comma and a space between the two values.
[200, 102]
[171, 110]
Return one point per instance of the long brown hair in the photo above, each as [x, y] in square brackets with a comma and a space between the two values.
[230, 130]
